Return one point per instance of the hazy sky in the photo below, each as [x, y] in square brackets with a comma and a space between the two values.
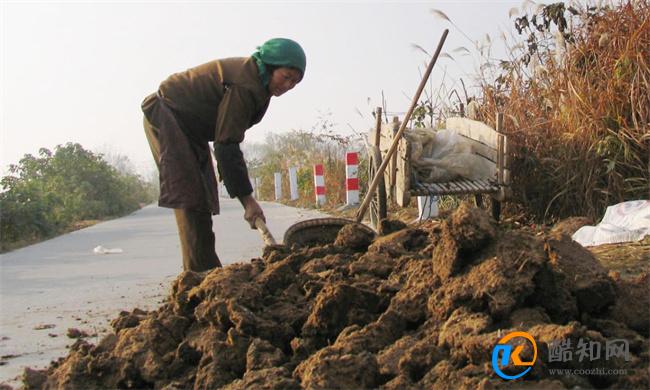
[78, 71]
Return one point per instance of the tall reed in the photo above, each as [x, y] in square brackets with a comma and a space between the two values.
[576, 98]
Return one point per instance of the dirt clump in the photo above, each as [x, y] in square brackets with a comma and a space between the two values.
[75, 333]
[333, 368]
[401, 242]
[632, 306]
[354, 237]
[388, 226]
[570, 225]
[375, 264]
[128, 319]
[462, 236]
[581, 274]
[412, 308]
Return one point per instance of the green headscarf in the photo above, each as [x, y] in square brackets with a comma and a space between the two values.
[279, 52]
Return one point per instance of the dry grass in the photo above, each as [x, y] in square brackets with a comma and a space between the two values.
[629, 258]
[579, 114]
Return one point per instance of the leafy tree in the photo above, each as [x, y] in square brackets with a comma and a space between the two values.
[45, 195]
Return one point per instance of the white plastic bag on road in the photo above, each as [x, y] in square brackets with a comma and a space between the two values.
[100, 250]
[623, 222]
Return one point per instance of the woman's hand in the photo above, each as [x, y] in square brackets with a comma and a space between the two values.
[252, 210]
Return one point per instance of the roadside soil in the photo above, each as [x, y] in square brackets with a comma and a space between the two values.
[417, 307]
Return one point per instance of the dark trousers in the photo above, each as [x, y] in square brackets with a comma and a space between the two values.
[194, 227]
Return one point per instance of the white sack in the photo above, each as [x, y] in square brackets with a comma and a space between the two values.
[623, 222]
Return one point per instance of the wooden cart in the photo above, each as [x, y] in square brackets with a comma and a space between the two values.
[400, 183]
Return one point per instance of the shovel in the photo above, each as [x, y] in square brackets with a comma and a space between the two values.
[322, 231]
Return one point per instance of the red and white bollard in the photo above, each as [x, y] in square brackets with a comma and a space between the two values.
[351, 178]
[319, 184]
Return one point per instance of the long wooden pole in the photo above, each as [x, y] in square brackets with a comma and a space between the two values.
[378, 127]
[380, 172]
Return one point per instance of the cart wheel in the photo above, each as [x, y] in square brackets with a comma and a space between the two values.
[378, 209]
[488, 202]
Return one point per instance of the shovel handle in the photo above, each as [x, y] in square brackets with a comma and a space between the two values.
[264, 232]
[393, 147]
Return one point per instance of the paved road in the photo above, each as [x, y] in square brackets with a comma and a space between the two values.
[47, 288]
